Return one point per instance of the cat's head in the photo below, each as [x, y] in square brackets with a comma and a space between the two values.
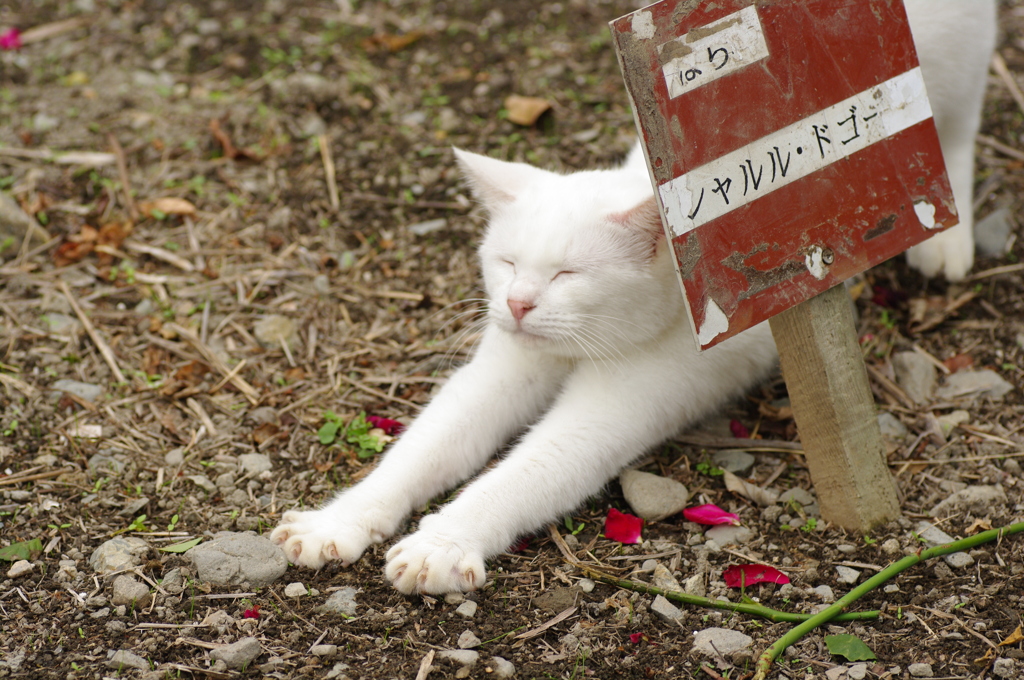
[576, 264]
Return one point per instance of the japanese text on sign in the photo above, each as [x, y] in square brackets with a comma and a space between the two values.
[712, 51]
[795, 151]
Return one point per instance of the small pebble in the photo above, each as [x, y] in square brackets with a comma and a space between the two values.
[921, 670]
[294, 590]
[20, 568]
[857, 671]
[586, 585]
[467, 609]
[454, 598]
[468, 640]
[324, 650]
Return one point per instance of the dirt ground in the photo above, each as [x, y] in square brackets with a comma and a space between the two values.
[321, 258]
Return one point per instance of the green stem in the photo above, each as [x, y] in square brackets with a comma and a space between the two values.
[767, 658]
[741, 607]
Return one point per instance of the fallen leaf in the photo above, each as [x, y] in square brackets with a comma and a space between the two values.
[1014, 637]
[264, 432]
[183, 546]
[622, 527]
[761, 496]
[851, 647]
[979, 525]
[742, 575]
[70, 252]
[710, 514]
[168, 205]
[391, 42]
[24, 550]
[525, 110]
[230, 150]
[958, 362]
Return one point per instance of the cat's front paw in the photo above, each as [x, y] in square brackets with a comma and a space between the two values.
[313, 538]
[950, 253]
[429, 562]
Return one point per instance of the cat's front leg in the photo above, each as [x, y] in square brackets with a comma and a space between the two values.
[502, 389]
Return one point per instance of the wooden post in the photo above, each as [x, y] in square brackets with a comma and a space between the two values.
[835, 412]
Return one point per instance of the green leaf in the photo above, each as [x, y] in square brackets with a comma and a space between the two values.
[182, 547]
[849, 646]
[21, 551]
[328, 432]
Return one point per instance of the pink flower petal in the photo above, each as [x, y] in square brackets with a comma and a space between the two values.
[738, 576]
[738, 429]
[618, 526]
[253, 613]
[10, 39]
[635, 638]
[390, 427]
[521, 544]
[710, 514]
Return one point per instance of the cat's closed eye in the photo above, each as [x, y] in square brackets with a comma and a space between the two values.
[512, 264]
[564, 272]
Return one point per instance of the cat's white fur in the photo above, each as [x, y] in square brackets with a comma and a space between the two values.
[588, 351]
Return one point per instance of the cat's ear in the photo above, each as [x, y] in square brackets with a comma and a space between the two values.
[643, 223]
[495, 183]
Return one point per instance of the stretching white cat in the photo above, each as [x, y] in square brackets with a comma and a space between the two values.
[588, 346]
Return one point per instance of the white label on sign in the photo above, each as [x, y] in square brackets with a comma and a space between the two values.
[711, 51]
[795, 151]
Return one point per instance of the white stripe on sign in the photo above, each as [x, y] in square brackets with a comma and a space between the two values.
[755, 170]
[711, 51]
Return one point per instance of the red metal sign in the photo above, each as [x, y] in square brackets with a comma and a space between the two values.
[790, 142]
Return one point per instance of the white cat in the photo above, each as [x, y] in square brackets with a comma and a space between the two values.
[588, 350]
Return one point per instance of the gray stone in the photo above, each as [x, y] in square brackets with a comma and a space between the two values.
[103, 464]
[204, 483]
[719, 642]
[239, 558]
[651, 496]
[858, 671]
[467, 609]
[128, 591]
[666, 610]
[835, 673]
[122, 552]
[801, 496]
[341, 602]
[992, 233]
[663, 578]
[1004, 668]
[847, 575]
[324, 650]
[122, 658]
[20, 568]
[424, 228]
[133, 508]
[728, 534]
[891, 426]
[238, 654]
[586, 585]
[983, 383]
[736, 461]
[274, 329]
[500, 668]
[977, 500]
[60, 324]
[295, 590]
[892, 547]
[174, 457]
[454, 598]
[915, 374]
[79, 389]
[173, 581]
[463, 657]
[825, 593]
[468, 640]
[921, 670]
[254, 463]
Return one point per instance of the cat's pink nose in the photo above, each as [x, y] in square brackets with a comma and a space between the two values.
[519, 308]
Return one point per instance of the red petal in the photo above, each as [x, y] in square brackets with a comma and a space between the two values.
[253, 613]
[519, 546]
[738, 429]
[635, 638]
[618, 526]
[738, 576]
[710, 514]
[389, 426]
